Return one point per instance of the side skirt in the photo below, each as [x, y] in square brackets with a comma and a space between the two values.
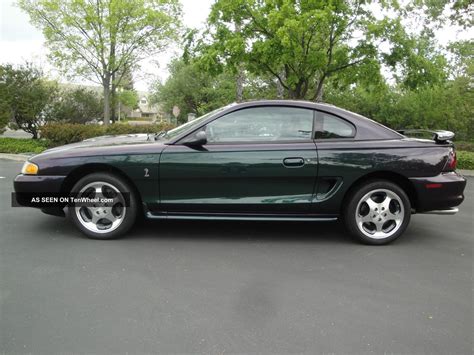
[240, 217]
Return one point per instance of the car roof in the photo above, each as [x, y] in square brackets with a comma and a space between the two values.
[366, 129]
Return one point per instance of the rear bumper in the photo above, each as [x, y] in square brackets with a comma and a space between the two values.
[441, 192]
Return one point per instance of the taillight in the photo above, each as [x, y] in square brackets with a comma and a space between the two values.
[451, 162]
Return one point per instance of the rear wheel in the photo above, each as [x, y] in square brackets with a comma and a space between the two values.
[113, 210]
[378, 212]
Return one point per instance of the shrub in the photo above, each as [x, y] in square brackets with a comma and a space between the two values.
[22, 145]
[25, 97]
[463, 145]
[75, 105]
[465, 160]
[64, 133]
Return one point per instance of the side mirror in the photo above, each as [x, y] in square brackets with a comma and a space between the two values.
[199, 139]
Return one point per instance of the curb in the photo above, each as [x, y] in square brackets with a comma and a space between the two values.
[16, 157]
[466, 172]
[23, 157]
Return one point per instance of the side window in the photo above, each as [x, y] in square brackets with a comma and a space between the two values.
[329, 126]
[262, 124]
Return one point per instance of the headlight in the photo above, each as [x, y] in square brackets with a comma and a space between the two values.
[29, 168]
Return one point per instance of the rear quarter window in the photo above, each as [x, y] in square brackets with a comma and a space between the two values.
[328, 126]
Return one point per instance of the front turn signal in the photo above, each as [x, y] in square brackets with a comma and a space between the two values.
[29, 168]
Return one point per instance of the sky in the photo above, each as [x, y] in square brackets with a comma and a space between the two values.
[21, 42]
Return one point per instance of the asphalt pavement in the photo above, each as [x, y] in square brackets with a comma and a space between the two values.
[233, 287]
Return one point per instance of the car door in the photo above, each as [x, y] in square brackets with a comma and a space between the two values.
[340, 161]
[256, 160]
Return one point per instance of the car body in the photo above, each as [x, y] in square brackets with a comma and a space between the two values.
[276, 159]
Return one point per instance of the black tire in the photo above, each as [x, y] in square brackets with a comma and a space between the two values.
[129, 212]
[355, 201]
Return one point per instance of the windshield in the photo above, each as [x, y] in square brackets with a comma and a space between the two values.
[189, 125]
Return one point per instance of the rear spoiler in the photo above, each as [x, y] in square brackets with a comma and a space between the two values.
[438, 136]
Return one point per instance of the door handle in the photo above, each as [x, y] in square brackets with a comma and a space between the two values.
[293, 162]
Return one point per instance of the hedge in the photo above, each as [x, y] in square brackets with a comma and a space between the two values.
[64, 133]
[22, 145]
[464, 145]
[465, 160]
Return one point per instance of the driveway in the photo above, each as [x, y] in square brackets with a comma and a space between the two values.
[227, 287]
[15, 134]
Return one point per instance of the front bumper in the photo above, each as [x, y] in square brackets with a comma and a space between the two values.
[38, 183]
[441, 192]
[27, 186]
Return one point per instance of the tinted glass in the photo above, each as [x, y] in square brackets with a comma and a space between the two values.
[329, 126]
[189, 125]
[262, 124]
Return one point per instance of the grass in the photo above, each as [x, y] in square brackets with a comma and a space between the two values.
[26, 145]
[21, 145]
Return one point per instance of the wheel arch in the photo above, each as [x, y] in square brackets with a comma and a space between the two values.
[78, 173]
[402, 181]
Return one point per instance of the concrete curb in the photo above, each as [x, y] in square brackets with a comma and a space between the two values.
[23, 157]
[466, 172]
[16, 157]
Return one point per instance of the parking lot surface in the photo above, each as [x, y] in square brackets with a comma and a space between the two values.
[233, 287]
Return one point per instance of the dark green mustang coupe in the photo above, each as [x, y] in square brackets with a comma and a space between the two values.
[264, 160]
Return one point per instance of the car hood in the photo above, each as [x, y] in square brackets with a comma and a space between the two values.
[103, 141]
[105, 145]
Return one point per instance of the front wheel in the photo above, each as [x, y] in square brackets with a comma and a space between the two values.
[112, 211]
[378, 212]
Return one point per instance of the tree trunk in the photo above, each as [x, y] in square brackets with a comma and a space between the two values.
[113, 100]
[280, 88]
[106, 87]
[318, 97]
[31, 128]
[239, 88]
[239, 92]
[296, 92]
[113, 105]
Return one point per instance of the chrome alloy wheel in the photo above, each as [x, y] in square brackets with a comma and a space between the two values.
[103, 216]
[380, 214]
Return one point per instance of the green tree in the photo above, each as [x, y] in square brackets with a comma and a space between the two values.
[458, 12]
[417, 62]
[25, 97]
[462, 63]
[124, 94]
[77, 105]
[462, 69]
[448, 105]
[193, 90]
[128, 98]
[198, 91]
[299, 43]
[103, 40]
